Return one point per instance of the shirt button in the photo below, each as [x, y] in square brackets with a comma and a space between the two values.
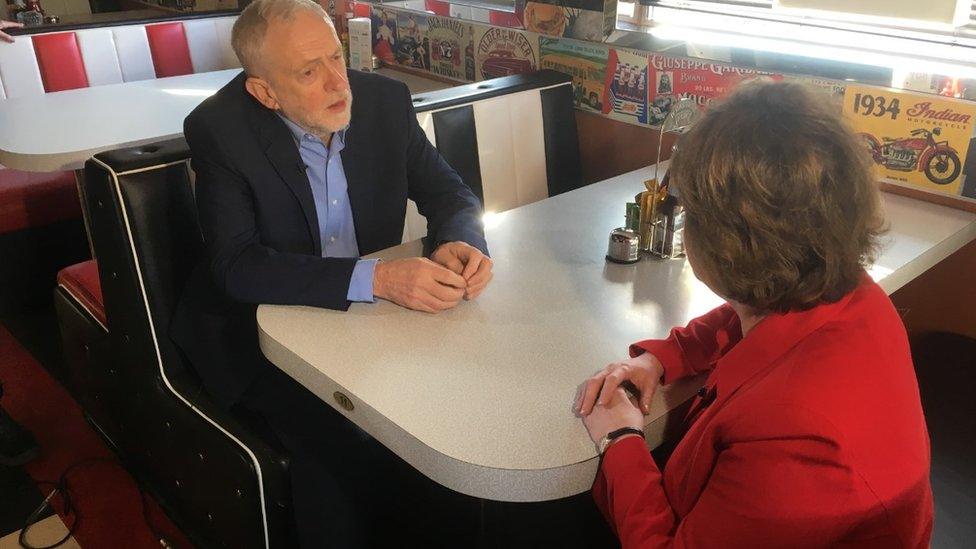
[332, 239]
[334, 202]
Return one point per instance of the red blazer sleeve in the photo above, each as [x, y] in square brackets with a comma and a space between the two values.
[695, 348]
[771, 488]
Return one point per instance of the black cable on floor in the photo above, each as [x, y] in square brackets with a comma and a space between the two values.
[62, 488]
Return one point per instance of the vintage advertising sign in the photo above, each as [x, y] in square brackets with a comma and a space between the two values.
[563, 21]
[504, 52]
[585, 62]
[626, 86]
[672, 78]
[915, 139]
[834, 88]
[413, 46]
[384, 24]
[451, 50]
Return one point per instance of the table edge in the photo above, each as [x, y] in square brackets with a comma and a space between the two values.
[476, 480]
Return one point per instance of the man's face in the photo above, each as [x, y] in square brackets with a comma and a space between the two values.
[305, 71]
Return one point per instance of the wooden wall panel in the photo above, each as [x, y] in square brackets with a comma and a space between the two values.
[943, 299]
[609, 147]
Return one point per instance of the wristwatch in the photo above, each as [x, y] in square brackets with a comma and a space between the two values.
[614, 435]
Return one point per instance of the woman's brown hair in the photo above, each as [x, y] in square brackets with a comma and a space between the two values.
[783, 209]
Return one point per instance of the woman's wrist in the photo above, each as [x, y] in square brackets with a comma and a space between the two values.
[617, 434]
[652, 363]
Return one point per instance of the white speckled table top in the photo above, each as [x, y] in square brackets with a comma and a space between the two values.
[61, 130]
[479, 397]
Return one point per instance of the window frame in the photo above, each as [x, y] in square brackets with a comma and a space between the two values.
[644, 17]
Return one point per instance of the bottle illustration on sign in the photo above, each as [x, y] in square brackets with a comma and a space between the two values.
[936, 159]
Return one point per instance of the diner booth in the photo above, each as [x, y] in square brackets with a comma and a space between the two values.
[554, 118]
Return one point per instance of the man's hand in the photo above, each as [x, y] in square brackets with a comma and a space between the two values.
[4, 37]
[643, 371]
[618, 412]
[418, 283]
[467, 261]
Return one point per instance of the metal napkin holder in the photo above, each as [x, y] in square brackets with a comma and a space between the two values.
[666, 217]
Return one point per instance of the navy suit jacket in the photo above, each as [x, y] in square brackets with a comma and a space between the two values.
[260, 227]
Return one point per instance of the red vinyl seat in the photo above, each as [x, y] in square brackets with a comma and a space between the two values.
[34, 199]
[82, 283]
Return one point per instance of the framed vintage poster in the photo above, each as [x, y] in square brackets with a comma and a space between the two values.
[504, 52]
[585, 62]
[451, 48]
[915, 140]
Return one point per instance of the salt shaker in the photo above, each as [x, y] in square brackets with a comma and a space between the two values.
[624, 245]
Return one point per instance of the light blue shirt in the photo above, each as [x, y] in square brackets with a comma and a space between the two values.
[323, 166]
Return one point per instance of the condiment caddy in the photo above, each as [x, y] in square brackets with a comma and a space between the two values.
[656, 219]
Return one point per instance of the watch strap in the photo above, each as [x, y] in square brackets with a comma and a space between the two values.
[614, 435]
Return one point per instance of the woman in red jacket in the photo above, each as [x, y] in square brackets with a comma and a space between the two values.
[808, 431]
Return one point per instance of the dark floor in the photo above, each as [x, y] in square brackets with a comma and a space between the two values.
[946, 369]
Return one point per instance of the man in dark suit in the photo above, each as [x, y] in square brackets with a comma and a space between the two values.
[301, 167]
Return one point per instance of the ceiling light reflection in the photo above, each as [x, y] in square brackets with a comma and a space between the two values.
[188, 92]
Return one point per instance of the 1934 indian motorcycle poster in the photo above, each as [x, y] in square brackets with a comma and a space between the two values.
[915, 139]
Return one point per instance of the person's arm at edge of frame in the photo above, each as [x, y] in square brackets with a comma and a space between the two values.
[4, 37]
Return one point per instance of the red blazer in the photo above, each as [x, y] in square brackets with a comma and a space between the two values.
[814, 436]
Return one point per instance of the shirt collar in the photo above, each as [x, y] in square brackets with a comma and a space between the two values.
[299, 134]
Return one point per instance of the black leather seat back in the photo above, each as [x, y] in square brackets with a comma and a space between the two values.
[219, 481]
[154, 184]
[539, 130]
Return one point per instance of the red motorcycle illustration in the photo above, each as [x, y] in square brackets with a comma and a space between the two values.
[937, 160]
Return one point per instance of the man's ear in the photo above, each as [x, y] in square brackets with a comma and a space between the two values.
[260, 89]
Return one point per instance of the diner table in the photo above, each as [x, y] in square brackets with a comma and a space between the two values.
[479, 398]
[61, 130]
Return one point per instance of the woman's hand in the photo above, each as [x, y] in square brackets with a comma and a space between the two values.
[620, 411]
[643, 372]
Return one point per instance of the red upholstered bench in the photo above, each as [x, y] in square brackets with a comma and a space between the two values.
[84, 331]
[81, 283]
[33, 199]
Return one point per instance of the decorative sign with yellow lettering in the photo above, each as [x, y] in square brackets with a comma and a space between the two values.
[915, 139]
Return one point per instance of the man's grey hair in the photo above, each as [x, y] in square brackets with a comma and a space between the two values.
[251, 26]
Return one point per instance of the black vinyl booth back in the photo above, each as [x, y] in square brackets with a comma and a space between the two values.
[224, 486]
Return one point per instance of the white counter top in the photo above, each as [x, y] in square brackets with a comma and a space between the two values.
[61, 130]
[479, 398]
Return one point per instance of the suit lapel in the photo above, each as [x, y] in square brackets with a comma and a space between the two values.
[355, 164]
[279, 146]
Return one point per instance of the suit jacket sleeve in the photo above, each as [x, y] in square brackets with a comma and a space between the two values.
[242, 268]
[453, 212]
[783, 487]
[694, 349]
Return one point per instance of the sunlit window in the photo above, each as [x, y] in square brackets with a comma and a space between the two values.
[890, 19]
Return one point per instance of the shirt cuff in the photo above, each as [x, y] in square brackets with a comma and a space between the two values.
[361, 283]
